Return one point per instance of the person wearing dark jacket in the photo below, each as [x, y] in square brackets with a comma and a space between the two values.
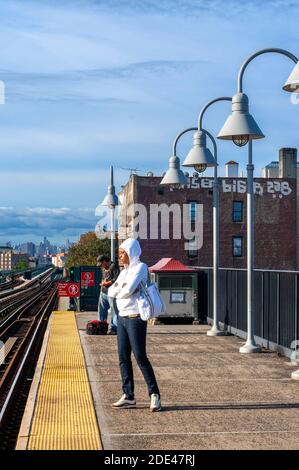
[110, 273]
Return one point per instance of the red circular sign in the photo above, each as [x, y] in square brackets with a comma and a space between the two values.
[73, 289]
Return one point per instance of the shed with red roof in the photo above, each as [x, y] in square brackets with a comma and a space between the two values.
[178, 285]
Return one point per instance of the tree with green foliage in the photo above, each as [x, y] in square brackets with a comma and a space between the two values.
[21, 266]
[87, 249]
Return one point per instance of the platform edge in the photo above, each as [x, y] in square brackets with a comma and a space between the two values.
[24, 432]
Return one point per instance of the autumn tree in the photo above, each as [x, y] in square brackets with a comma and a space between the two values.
[87, 249]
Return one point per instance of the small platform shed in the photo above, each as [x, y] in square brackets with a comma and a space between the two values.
[178, 285]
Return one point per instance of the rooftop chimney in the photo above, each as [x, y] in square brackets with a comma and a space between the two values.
[232, 169]
[288, 163]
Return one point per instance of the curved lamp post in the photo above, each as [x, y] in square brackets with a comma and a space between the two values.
[111, 201]
[241, 128]
[174, 175]
[198, 156]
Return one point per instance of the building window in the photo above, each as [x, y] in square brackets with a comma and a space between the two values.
[237, 247]
[237, 211]
[175, 282]
[193, 210]
[193, 248]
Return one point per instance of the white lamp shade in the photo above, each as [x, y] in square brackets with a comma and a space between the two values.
[110, 200]
[174, 175]
[240, 122]
[200, 154]
[292, 83]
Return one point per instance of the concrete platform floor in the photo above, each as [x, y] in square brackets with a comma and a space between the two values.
[213, 397]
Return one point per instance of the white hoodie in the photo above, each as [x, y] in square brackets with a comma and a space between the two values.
[126, 287]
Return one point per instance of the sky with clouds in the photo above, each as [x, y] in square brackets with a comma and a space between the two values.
[89, 83]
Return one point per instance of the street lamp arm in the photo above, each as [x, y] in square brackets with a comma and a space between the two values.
[213, 142]
[200, 117]
[179, 136]
[258, 53]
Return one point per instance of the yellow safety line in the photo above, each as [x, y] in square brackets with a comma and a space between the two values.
[64, 416]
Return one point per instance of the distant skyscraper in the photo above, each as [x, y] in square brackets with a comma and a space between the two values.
[27, 248]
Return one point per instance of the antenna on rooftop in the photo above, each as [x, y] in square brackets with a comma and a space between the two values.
[133, 171]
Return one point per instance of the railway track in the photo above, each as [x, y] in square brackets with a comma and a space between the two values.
[22, 331]
[11, 301]
[10, 284]
[33, 283]
[9, 306]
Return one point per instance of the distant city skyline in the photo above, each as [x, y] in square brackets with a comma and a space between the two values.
[36, 243]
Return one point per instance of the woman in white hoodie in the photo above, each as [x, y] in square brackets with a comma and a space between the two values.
[131, 332]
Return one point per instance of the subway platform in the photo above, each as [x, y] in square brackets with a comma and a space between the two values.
[213, 397]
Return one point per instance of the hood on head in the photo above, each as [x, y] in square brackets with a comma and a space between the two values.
[132, 248]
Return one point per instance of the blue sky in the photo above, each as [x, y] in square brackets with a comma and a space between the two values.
[92, 83]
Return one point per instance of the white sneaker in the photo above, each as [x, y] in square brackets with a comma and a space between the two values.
[295, 375]
[155, 402]
[124, 401]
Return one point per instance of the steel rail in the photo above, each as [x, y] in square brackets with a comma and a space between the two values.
[24, 304]
[44, 310]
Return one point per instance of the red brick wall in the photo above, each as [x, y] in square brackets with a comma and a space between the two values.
[275, 221]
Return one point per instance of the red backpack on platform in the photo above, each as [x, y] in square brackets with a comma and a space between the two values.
[97, 327]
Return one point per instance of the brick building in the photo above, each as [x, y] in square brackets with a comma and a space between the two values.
[286, 166]
[9, 259]
[275, 220]
[5, 258]
[59, 260]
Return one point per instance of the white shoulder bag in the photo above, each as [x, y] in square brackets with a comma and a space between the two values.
[150, 302]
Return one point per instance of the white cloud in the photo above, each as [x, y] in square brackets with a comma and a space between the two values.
[35, 222]
[90, 83]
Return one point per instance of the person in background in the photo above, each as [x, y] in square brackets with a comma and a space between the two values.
[131, 334]
[110, 273]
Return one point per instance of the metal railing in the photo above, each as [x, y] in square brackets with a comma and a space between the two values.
[275, 305]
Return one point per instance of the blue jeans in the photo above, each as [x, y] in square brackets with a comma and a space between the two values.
[105, 303]
[131, 336]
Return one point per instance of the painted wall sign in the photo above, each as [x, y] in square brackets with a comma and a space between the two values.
[275, 187]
